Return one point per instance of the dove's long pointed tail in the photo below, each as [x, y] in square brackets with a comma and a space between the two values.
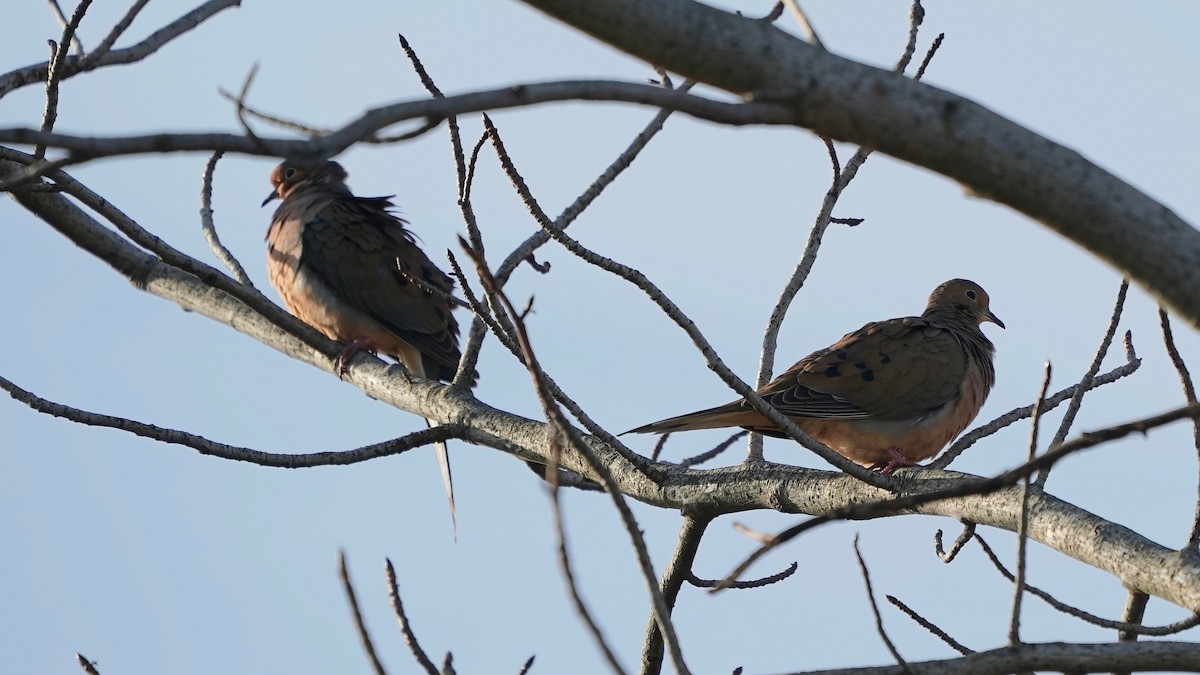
[443, 458]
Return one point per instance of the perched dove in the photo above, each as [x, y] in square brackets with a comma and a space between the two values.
[346, 266]
[890, 394]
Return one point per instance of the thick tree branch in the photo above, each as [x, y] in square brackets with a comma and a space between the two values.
[1051, 656]
[991, 156]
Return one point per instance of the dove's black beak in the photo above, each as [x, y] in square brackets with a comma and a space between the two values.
[270, 198]
[990, 317]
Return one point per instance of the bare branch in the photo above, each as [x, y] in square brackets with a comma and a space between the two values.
[1014, 627]
[1135, 611]
[1133, 628]
[1189, 393]
[707, 455]
[117, 31]
[559, 425]
[535, 241]
[749, 583]
[210, 229]
[56, 70]
[916, 15]
[959, 543]
[678, 570]
[1077, 398]
[410, 638]
[862, 566]
[223, 451]
[371, 122]
[28, 75]
[1051, 657]
[937, 43]
[363, 635]
[76, 45]
[929, 626]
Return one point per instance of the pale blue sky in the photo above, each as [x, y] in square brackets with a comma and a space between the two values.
[150, 558]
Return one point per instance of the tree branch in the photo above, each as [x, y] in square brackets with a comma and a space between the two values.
[989, 155]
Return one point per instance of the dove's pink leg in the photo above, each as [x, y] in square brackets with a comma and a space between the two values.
[896, 460]
[357, 345]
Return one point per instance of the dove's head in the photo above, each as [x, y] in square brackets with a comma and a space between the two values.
[962, 300]
[292, 175]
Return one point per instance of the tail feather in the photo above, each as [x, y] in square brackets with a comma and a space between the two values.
[415, 361]
[443, 458]
[729, 415]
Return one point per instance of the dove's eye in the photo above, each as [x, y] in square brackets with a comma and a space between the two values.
[972, 295]
[290, 173]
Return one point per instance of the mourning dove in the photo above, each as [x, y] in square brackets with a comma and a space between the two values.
[890, 394]
[346, 266]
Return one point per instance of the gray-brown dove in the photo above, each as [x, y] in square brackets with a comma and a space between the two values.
[345, 265]
[890, 394]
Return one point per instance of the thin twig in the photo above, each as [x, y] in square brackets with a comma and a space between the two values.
[275, 120]
[210, 229]
[709, 454]
[54, 76]
[410, 638]
[749, 583]
[1132, 363]
[474, 342]
[1158, 631]
[929, 626]
[678, 570]
[523, 190]
[1068, 419]
[89, 667]
[658, 446]
[559, 427]
[975, 487]
[212, 448]
[959, 543]
[862, 566]
[372, 121]
[1189, 393]
[37, 169]
[76, 45]
[241, 114]
[937, 43]
[1014, 628]
[117, 31]
[916, 16]
[526, 249]
[528, 664]
[352, 598]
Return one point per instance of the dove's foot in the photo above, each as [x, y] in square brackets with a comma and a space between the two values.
[896, 460]
[347, 353]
